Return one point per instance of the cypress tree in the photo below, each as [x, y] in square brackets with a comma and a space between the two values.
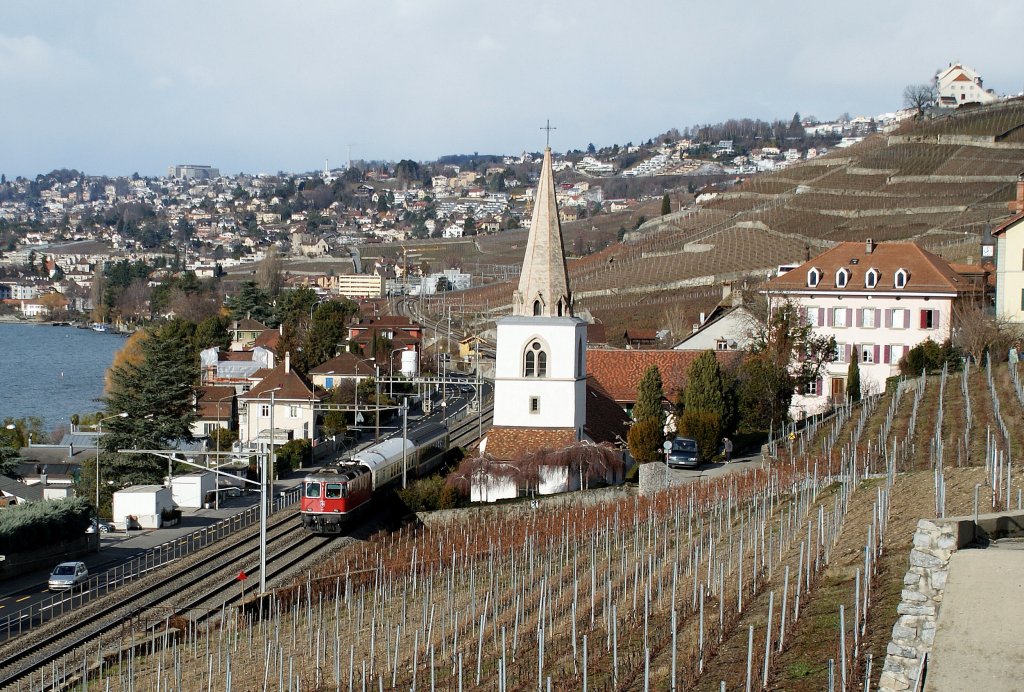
[704, 388]
[649, 396]
[853, 378]
[666, 205]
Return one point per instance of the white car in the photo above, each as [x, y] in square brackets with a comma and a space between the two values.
[67, 575]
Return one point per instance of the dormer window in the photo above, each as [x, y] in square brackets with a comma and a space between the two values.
[901, 278]
[871, 278]
[813, 277]
[842, 277]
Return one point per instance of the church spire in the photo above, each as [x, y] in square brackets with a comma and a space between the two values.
[544, 283]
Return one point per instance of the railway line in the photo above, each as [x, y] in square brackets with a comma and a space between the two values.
[198, 582]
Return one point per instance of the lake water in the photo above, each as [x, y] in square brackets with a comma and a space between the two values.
[53, 372]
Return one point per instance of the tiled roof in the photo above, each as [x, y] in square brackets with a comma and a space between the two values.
[618, 372]
[344, 364]
[606, 420]
[1004, 226]
[510, 443]
[215, 402]
[641, 334]
[289, 386]
[268, 339]
[596, 334]
[927, 272]
[249, 325]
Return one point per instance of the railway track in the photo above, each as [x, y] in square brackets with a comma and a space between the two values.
[467, 430]
[196, 584]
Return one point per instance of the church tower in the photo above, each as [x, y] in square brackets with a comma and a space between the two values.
[540, 378]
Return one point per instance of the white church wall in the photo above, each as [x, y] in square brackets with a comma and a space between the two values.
[485, 488]
[555, 401]
[557, 479]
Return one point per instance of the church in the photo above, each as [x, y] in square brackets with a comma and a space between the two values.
[548, 425]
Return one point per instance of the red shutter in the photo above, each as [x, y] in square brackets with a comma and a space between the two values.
[878, 317]
[803, 315]
[860, 317]
[924, 319]
[821, 316]
[828, 316]
[818, 384]
[849, 352]
[887, 354]
[849, 317]
[877, 354]
[906, 318]
[888, 319]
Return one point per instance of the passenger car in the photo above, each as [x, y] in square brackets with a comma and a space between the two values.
[103, 527]
[67, 575]
[683, 454]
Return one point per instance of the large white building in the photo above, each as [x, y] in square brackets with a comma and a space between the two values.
[1010, 261]
[958, 84]
[878, 300]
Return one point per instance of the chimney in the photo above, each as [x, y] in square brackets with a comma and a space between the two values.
[287, 362]
[726, 290]
[1018, 204]
[701, 318]
[869, 246]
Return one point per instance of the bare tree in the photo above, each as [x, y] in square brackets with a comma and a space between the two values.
[919, 97]
[268, 275]
[134, 300]
[977, 331]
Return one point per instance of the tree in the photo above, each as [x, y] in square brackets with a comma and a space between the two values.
[649, 397]
[919, 97]
[782, 334]
[644, 439]
[978, 332]
[157, 394]
[268, 274]
[213, 331]
[853, 377]
[251, 301]
[329, 330]
[764, 389]
[666, 205]
[97, 294]
[704, 388]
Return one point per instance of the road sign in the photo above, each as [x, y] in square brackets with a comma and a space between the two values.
[667, 445]
[241, 576]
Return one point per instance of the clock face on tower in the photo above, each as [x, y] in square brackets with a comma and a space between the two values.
[986, 250]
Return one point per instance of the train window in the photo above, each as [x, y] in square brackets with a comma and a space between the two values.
[312, 490]
[334, 491]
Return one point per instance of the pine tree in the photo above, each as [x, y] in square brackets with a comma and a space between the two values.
[704, 387]
[649, 396]
[157, 393]
[853, 378]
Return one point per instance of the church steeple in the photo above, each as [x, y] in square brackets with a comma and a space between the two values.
[544, 282]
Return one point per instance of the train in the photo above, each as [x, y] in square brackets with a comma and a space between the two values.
[337, 493]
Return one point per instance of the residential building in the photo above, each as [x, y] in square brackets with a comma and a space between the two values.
[369, 332]
[345, 367]
[280, 396]
[878, 300]
[1009, 256]
[958, 84]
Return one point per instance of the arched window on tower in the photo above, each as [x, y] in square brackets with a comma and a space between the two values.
[559, 308]
[535, 360]
[536, 308]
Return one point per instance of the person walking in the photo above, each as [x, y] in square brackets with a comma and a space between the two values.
[727, 449]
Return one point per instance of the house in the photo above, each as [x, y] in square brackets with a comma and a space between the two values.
[958, 84]
[368, 332]
[244, 333]
[280, 407]
[345, 367]
[878, 300]
[640, 338]
[234, 368]
[728, 327]
[616, 373]
[1009, 256]
[216, 407]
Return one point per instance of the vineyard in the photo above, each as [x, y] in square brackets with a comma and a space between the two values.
[781, 577]
[908, 186]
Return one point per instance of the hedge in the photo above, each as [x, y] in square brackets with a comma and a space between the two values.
[26, 527]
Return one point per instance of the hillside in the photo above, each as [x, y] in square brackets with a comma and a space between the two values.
[936, 183]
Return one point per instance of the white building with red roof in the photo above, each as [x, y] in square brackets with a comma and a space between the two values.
[878, 300]
[958, 84]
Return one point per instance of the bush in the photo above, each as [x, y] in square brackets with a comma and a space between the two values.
[26, 527]
[428, 494]
[645, 438]
[293, 455]
[929, 356]
[704, 427]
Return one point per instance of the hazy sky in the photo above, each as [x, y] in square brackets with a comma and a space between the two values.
[115, 87]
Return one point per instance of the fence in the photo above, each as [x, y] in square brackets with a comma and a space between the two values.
[25, 619]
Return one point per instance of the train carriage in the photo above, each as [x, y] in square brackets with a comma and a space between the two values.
[330, 498]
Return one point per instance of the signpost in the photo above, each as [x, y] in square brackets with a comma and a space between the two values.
[667, 446]
[241, 580]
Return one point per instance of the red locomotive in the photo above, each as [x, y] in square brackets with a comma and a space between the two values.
[331, 497]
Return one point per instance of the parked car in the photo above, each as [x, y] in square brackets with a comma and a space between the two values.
[683, 454]
[67, 575]
[102, 527]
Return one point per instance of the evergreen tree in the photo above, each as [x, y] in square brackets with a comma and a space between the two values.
[329, 330]
[649, 396]
[157, 393]
[251, 301]
[666, 205]
[853, 378]
[704, 387]
[213, 331]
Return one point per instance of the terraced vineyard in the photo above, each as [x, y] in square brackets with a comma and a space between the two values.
[778, 577]
[937, 183]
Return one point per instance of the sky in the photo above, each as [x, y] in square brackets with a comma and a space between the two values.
[116, 87]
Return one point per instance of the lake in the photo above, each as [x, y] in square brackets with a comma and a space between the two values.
[53, 372]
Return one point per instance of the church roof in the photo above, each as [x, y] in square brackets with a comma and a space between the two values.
[544, 277]
[507, 442]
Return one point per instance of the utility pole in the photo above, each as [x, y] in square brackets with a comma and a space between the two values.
[405, 439]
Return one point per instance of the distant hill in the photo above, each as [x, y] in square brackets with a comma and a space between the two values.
[937, 183]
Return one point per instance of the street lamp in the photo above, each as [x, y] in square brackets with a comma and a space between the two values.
[391, 367]
[99, 434]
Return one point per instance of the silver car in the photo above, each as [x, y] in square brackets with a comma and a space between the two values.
[683, 454]
[67, 575]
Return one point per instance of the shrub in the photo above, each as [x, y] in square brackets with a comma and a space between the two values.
[704, 427]
[428, 494]
[26, 527]
[292, 455]
[644, 439]
[929, 356]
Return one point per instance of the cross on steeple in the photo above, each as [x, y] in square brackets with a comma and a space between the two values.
[547, 135]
